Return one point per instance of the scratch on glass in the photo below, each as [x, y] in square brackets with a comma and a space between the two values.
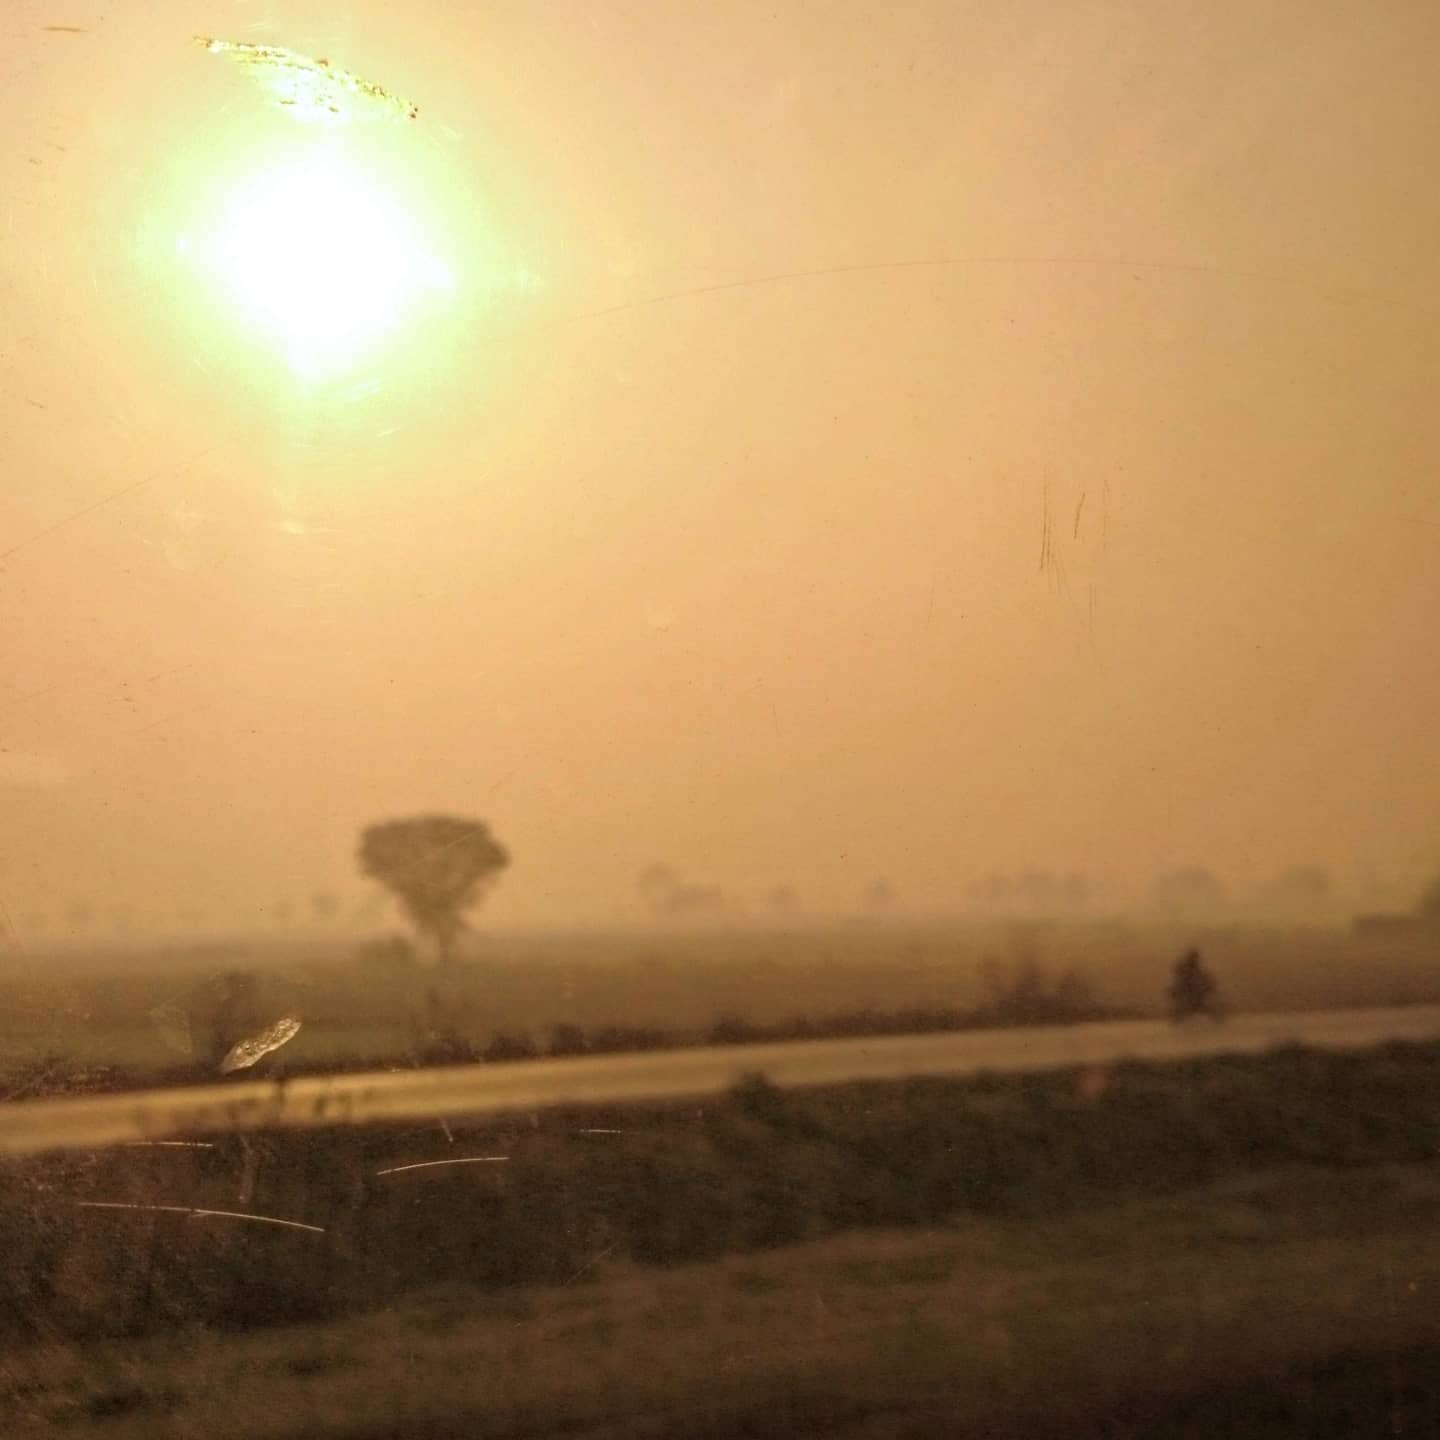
[436, 1164]
[312, 89]
[192, 1213]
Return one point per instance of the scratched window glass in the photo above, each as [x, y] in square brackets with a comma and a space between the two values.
[719, 719]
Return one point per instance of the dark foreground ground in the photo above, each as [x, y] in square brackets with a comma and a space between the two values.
[1240, 1245]
[1294, 1303]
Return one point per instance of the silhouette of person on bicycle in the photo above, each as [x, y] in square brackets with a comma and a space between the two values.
[1193, 990]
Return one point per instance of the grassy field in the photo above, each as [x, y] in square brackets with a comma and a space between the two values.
[1290, 1302]
[360, 1005]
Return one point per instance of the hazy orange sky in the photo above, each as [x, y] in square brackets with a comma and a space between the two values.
[1103, 539]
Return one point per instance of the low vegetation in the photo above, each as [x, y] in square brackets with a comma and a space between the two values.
[1295, 1302]
[378, 1213]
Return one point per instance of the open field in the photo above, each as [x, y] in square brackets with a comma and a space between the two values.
[655, 986]
[1293, 1302]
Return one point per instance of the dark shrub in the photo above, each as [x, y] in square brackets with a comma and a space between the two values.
[510, 1046]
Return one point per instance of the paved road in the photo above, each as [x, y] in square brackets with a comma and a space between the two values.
[28, 1126]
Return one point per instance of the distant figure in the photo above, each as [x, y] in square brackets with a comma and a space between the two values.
[1193, 989]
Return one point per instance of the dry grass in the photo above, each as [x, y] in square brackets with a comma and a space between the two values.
[981, 1327]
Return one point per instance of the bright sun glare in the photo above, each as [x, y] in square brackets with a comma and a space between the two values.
[316, 255]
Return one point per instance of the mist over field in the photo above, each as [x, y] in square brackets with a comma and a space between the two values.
[961, 448]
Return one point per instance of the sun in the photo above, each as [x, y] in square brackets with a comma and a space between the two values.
[322, 259]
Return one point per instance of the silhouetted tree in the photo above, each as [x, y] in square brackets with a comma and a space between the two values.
[1021, 993]
[1048, 892]
[666, 894]
[1191, 891]
[1300, 888]
[437, 867]
[1039, 891]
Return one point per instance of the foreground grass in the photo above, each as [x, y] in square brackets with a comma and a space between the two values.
[384, 1212]
[1299, 1301]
